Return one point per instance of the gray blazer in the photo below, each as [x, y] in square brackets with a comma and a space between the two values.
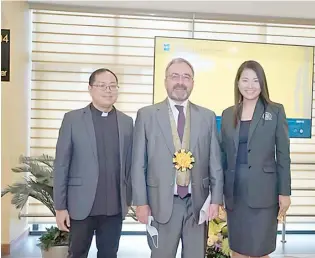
[153, 173]
[76, 164]
[268, 155]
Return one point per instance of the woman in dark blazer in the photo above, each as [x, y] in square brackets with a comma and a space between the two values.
[256, 161]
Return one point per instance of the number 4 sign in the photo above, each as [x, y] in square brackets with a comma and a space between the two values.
[5, 55]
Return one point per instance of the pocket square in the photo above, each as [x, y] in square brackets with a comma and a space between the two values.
[267, 116]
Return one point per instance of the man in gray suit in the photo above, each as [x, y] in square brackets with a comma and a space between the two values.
[168, 189]
[92, 186]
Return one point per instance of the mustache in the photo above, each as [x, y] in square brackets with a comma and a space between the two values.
[180, 87]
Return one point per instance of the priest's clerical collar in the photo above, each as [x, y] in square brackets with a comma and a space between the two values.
[101, 113]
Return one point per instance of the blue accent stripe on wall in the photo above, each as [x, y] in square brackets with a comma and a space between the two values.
[298, 128]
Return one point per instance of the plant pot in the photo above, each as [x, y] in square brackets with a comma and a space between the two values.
[55, 252]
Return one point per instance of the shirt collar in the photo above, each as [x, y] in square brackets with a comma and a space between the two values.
[99, 112]
[172, 103]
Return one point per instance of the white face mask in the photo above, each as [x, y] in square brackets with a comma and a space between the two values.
[152, 232]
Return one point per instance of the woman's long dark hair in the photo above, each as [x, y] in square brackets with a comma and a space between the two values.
[264, 94]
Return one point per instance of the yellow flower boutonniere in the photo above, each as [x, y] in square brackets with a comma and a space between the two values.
[183, 160]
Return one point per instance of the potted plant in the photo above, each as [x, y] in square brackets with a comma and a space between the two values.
[218, 243]
[54, 243]
[38, 184]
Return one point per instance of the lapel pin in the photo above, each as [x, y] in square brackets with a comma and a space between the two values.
[267, 116]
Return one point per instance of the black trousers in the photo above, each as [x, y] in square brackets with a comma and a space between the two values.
[107, 233]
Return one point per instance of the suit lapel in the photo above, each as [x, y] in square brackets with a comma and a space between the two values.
[237, 128]
[120, 134]
[88, 121]
[236, 135]
[258, 112]
[165, 125]
[195, 123]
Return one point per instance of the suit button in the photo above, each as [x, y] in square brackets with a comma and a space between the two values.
[249, 167]
[249, 150]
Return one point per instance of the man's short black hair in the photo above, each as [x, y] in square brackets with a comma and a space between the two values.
[98, 71]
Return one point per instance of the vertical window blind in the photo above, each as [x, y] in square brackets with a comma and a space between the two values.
[68, 46]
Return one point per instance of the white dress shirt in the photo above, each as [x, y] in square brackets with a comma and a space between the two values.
[175, 114]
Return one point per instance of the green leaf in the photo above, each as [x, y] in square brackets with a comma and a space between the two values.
[37, 182]
[132, 213]
[53, 237]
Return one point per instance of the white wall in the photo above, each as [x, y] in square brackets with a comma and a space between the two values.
[15, 101]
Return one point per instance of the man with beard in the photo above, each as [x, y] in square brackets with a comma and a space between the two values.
[92, 187]
[176, 161]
